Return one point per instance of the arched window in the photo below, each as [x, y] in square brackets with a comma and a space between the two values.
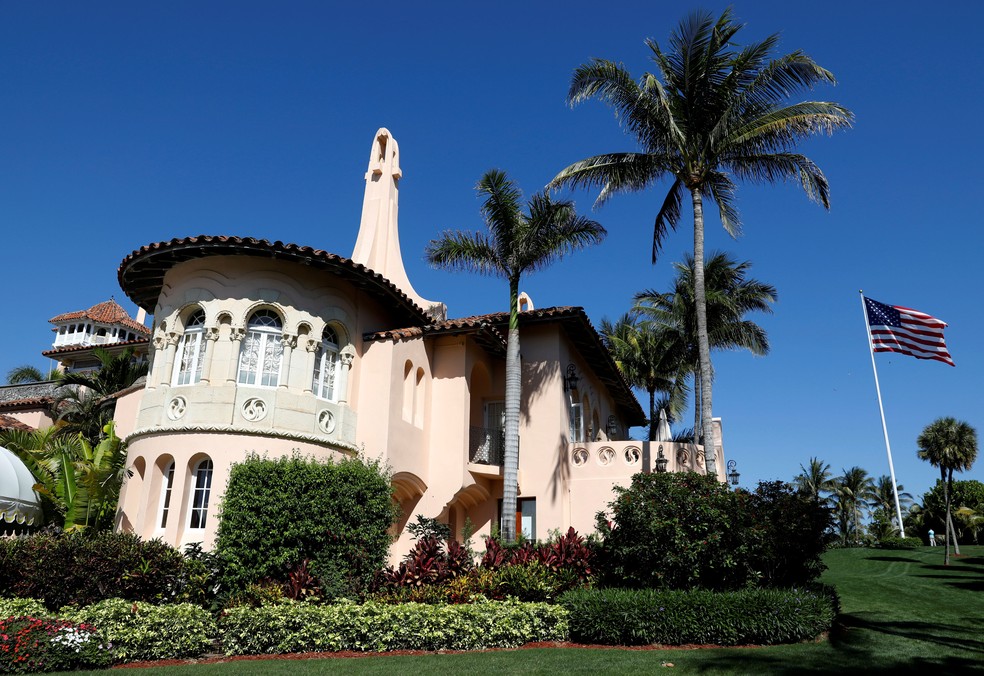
[167, 484]
[325, 360]
[200, 494]
[191, 351]
[262, 351]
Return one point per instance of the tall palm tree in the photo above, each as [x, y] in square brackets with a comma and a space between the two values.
[516, 244]
[814, 479]
[715, 114]
[852, 491]
[951, 445]
[730, 295]
[26, 373]
[883, 499]
[651, 357]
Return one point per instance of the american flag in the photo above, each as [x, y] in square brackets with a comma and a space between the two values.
[900, 329]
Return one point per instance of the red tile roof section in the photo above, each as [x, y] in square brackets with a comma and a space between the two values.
[20, 404]
[107, 312]
[9, 422]
[106, 346]
[141, 274]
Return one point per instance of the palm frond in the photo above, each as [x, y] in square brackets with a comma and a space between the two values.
[465, 251]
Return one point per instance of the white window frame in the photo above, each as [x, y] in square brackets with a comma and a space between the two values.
[264, 332]
[201, 491]
[324, 379]
[576, 412]
[190, 355]
[167, 490]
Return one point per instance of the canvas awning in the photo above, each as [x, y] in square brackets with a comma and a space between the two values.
[19, 503]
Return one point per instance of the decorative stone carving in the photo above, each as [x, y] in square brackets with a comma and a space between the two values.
[326, 421]
[606, 455]
[632, 455]
[579, 457]
[160, 341]
[254, 409]
[346, 356]
[176, 408]
[311, 345]
[212, 333]
[288, 340]
[237, 333]
[683, 457]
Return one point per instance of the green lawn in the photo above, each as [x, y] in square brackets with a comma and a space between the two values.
[903, 612]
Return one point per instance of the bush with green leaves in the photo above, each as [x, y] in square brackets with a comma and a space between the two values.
[375, 627]
[142, 631]
[899, 543]
[674, 617]
[278, 512]
[84, 567]
[40, 644]
[18, 607]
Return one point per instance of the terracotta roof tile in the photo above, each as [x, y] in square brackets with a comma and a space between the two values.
[107, 312]
[9, 422]
[106, 346]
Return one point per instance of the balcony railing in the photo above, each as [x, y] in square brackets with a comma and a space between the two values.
[486, 445]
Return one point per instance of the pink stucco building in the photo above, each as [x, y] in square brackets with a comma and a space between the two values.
[278, 348]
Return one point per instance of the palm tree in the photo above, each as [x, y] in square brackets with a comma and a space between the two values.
[852, 491]
[26, 373]
[730, 295]
[716, 114]
[516, 244]
[951, 445]
[883, 499]
[814, 479]
[649, 356]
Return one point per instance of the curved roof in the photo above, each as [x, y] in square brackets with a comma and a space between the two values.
[107, 312]
[18, 501]
[141, 274]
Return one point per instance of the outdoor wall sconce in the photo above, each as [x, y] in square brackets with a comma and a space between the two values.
[733, 473]
[611, 428]
[571, 380]
[661, 461]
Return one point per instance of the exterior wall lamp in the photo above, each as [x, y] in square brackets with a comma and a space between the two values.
[571, 379]
[661, 461]
[733, 473]
[612, 428]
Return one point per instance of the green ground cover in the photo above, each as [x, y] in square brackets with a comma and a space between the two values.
[903, 612]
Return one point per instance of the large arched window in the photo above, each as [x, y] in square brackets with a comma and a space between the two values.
[262, 351]
[191, 351]
[167, 484]
[325, 360]
[202, 476]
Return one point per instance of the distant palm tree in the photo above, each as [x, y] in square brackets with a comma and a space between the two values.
[852, 491]
[730, 295]
[651, 357]
[815, 479]
[883, 499]
[20, 375]
[516, 244]
[951, 445]
[715, 114]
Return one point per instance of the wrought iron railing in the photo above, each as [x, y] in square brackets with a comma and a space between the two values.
[486, 445]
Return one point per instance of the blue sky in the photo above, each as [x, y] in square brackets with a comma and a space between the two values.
[129, 123]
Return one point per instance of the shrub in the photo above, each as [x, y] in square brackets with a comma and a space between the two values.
[278, 512]
[141, 631]
[647, 616]
[899, 543]
[23, 607]
[302, 627]
[31, 644]
[84, 567]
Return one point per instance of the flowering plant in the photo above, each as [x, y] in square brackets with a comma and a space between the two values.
[31, 644]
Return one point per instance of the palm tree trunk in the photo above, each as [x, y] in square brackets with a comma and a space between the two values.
[946, 528]
[507, 528]
[703, 343]
[696, 405]
[653, 421]
[949, 517]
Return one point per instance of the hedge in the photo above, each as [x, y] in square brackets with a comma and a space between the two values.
[646, 616]
[376, 627]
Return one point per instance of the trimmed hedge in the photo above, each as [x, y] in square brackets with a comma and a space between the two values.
[376, 627]
[141, 631]
[646, 616]
[899, 543]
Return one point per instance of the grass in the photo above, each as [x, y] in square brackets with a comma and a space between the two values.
[903, 612]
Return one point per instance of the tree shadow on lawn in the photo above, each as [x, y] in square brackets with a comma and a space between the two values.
[892, 559]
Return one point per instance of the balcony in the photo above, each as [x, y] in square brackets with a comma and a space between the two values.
[486, 445]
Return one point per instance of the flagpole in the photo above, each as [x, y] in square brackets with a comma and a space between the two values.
[881, 409]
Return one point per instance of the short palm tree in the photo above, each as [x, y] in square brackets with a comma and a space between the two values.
[517, 243]
[651, 357]
[883, 500]
[951, 445]
[715, 114]
[852, 491]
[730, 295]
[815, 479]
[20, 375]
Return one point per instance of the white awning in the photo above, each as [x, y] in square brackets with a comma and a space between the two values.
[18, 501]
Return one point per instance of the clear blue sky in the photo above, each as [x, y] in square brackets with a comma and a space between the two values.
[127, 123]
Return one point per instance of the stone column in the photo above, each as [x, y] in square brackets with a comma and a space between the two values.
[157, 363]
[170, 348]
[345, 358]
[289, 342]
[310, 350]
[236, 335]
[211, 336]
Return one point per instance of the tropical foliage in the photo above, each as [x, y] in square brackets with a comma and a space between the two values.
[852, 492]
[950, 445]
[20, 375]
[815, 480]
[713, 114]
[517, 243]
